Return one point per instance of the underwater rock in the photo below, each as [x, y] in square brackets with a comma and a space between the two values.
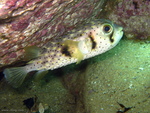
[34, 22]
[133, 15]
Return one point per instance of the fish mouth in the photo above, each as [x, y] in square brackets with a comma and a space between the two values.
[119, 30]
[118, 27]
[118, 34]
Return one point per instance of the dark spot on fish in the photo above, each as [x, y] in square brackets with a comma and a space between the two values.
[43, 62]
[111, 38]
[92, 40]
[65, 51]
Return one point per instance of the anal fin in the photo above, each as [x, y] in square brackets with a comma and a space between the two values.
[40, 74]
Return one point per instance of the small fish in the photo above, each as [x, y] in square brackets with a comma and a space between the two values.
[93, 39]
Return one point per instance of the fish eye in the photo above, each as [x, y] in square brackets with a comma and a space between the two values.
[107, 28]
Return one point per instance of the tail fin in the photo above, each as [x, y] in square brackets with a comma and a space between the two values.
[15, 76]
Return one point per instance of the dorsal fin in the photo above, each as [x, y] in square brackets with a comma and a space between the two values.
[32, 52]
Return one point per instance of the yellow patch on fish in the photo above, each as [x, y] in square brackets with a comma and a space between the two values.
[72, 50]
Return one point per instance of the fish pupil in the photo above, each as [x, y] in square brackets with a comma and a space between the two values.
[107, 28]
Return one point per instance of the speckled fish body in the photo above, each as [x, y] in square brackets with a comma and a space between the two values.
[90, 40]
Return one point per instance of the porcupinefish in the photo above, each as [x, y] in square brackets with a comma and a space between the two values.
[95, 38]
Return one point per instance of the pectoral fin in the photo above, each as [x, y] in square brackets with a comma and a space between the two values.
[78, 55]
[73, 49]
